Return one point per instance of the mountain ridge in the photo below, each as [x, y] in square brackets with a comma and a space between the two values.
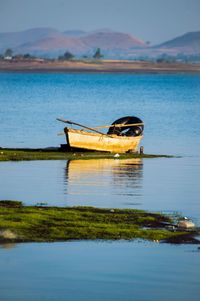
[50, 42]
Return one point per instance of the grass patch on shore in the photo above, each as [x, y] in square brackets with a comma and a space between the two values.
[44, 154]
[20, 223]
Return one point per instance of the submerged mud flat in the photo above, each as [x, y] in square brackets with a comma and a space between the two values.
[20, 223]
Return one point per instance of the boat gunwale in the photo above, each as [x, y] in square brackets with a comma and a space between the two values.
[83, 132]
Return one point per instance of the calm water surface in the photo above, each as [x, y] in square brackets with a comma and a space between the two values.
[168, 104]
[170, 108]
[154, 184]
[100, 271]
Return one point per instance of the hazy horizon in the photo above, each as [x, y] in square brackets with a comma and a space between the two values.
[156, 21]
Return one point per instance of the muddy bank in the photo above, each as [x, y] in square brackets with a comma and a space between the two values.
[107, 66]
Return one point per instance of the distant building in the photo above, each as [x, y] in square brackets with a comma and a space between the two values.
[8, 58]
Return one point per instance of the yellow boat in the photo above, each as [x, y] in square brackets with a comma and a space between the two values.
[123, 136]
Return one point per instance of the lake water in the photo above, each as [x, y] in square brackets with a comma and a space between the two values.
[168, 104]
[170, 107]
[167, 185]
[99, 271]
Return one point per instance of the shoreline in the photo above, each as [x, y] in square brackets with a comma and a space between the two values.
[21, 223]
[12, 154]
[101, 66]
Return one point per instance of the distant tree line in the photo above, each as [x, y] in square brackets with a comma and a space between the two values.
[67, 56]
[97, 55]
[70, 56]
[166, 58]
[8, 54]
[180, 57]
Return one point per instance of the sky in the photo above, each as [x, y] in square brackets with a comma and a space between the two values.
[155, 21]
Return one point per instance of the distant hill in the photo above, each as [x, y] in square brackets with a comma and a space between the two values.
[113, 44]
[15, 39]
[50, 42]
[188, 43]
[53, 46]
[112, 40]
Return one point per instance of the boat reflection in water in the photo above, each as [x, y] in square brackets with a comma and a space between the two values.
[7, 246]
[104, 182]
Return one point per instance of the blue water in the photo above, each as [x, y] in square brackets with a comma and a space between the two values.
[167, 185]
[168, 104]
[170, 107]
[99, 271]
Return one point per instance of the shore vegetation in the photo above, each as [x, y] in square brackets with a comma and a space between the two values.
[19, 223]
[57, 154]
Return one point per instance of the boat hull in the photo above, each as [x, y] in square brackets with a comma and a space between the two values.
[99, 142]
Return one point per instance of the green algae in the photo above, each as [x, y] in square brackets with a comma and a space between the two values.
[44, 154]
[20, 223]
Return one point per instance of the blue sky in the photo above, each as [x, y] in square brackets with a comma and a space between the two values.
[150, 20]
